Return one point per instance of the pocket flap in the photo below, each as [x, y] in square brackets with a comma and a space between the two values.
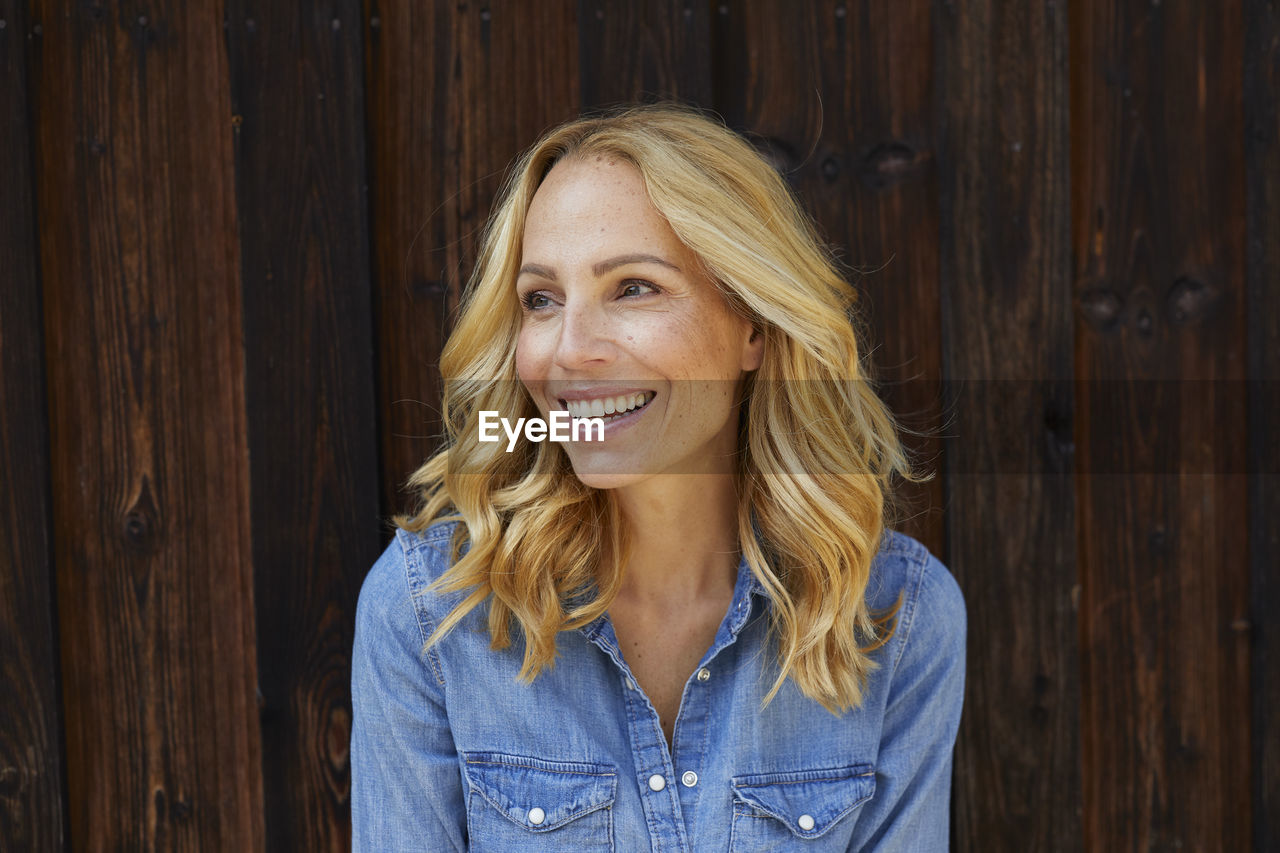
[808, 802]
[540, 795]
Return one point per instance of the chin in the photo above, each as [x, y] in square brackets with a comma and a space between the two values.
[599, 474]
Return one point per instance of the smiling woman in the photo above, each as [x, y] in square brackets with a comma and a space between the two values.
[697, 633]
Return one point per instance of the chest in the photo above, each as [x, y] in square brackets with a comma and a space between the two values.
[739, 778]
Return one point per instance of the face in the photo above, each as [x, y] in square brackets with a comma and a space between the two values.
[619, 321]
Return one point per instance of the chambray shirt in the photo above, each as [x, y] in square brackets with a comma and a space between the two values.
[449, 751]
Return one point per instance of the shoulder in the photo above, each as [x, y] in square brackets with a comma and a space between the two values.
[931, 607]
[395, 596]
[411, 561]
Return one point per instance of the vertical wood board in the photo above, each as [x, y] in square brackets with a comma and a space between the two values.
[32, 811]
[1158, 216]
[1262, 170]
[1002, 93]
[645, 52]
[147, 428]
[297, 80]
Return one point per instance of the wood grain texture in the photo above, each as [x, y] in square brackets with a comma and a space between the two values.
[1158, 216]
[455, 93]
[1002, 91]
[297, 87]
[644, 52]
[32, 807]
[1262, 178]
[840, 97]
[147, 428]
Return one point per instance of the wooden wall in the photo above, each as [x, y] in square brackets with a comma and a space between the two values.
[232, 235]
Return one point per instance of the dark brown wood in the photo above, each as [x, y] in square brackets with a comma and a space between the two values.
[1002, 91]
[32, 808]
[1068, 211]
[147, 428]
[298, 96]
[1262, 178]
[644, 52]
[1158, 216]
[456, 92]
[840, 98]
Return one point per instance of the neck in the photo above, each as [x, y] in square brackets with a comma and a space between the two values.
[683, 530]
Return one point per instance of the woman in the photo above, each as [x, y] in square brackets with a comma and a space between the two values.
[694, 632]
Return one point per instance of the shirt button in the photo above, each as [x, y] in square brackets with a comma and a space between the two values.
[689, 779]
[657, 782]
[537, 816]
[631, 685]
[806, 822]
[704, 674]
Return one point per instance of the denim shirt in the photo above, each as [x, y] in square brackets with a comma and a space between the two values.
[449, 751]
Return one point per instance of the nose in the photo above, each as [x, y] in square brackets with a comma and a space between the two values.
[585, 339]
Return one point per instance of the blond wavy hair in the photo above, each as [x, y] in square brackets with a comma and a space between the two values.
[819, 450]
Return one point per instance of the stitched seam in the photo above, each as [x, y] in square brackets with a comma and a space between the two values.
[541, 769]
[921, 558]
[412, 562]
[802, 781]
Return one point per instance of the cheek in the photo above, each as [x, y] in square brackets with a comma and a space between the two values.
[705, 346]
[531, 359]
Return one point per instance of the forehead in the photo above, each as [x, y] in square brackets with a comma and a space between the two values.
[592, 204]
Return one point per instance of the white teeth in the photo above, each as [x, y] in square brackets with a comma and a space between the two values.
[606, 406]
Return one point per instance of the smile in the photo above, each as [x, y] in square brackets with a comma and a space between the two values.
[609, 408]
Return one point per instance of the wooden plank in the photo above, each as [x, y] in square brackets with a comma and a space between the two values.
[32, 811]
[1262, 171]
[840, 98]
[147, 428]
[1158, 216]
[297, 93]
[651, 51]
[456, 91]
[1007, 326]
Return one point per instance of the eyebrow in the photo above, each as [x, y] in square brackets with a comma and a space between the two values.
[604, 266]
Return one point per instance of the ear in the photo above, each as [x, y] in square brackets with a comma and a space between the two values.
[753, 349]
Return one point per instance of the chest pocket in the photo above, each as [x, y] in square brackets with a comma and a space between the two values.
[800, 810]
[520, 803]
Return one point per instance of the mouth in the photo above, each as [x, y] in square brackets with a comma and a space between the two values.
[611, 408]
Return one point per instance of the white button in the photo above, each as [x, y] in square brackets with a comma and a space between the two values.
[657, 782]
[689, 779]
[806, 822]
[536, 816]
[704, 674]
[631, 685]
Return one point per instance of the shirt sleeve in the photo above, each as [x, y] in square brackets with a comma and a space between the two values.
[911, 807]
[406, 785]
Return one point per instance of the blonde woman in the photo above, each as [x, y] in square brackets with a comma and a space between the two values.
[685, 626]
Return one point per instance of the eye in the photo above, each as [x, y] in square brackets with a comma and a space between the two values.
[534, 300]
[637, 287]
